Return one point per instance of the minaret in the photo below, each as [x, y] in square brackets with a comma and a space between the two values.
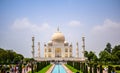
[83, 46]
[33, 51]
[77, 51]
[39, 49]
[45, 50]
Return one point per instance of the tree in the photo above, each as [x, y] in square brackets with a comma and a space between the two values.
[101, 69]
[18, 58]
[115, 58]
[95, 58]
[91, 56]
[115, 49]
[9, 56]
[118, 54]
[108, 48]
[86, 54]
[104, 56]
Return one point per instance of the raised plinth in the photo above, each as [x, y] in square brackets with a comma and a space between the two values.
[60, 59]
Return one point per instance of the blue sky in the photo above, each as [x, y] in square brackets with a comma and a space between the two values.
[97, 20]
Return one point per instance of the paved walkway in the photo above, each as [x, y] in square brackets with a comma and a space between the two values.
[68, 70]
[50, 69]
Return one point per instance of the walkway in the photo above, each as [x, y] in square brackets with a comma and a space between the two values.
[68, 70]
[50, 69]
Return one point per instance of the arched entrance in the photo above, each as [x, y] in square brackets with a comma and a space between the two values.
[58, 52]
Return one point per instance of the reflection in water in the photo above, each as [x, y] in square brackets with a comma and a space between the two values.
[58, 69]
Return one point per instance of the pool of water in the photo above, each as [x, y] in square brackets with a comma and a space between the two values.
[59, 69]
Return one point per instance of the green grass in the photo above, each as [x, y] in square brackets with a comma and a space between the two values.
[44, 70]
[110, 65]
[118, 71]
[72, 69]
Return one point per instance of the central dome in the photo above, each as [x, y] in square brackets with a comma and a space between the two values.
[58, 37]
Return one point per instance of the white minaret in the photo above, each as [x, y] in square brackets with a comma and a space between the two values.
[45, 50]
[39, 49]
[77, 50]
[83, 46]
[33, 51]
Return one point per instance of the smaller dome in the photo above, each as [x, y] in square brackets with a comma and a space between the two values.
[50, 43]
[66, 43]
[70, 45]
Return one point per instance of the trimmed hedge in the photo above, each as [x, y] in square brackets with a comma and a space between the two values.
[95, 68]
[78, 65]
[90, 67]
[117, 68]
[42, 64]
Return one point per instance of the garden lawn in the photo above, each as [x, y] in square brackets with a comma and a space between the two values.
[44, 70]
[117, 71]
[72, 69]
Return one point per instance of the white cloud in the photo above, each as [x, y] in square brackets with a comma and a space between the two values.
[74, 23]
[25, 24]
[100, 35]
[109, 28]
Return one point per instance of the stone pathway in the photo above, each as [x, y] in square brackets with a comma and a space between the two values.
[50, 69]
[68, 70]
[105, 71]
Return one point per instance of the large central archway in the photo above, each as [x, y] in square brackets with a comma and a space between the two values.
[58, 52]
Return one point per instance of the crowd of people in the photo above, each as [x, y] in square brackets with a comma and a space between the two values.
[15, 68]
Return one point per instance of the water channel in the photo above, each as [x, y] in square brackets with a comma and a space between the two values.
[58, 69]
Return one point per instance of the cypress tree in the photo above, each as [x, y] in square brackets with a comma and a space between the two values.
[37, 66]
[20, 68]
[78, 65]
[109, 69]
[32, 67]
[101, 69]
[86, 69]
[95, 68]
[90, 68]
[83, 68]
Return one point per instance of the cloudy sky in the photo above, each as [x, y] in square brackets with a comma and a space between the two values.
[97, 20]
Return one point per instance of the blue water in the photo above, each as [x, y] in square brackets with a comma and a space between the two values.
[58, 69]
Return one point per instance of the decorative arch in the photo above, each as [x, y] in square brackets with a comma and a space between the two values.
[58, 52]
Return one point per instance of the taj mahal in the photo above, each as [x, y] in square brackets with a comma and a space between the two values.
[58, 49]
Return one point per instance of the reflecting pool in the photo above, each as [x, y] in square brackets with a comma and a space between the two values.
[59, 69]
